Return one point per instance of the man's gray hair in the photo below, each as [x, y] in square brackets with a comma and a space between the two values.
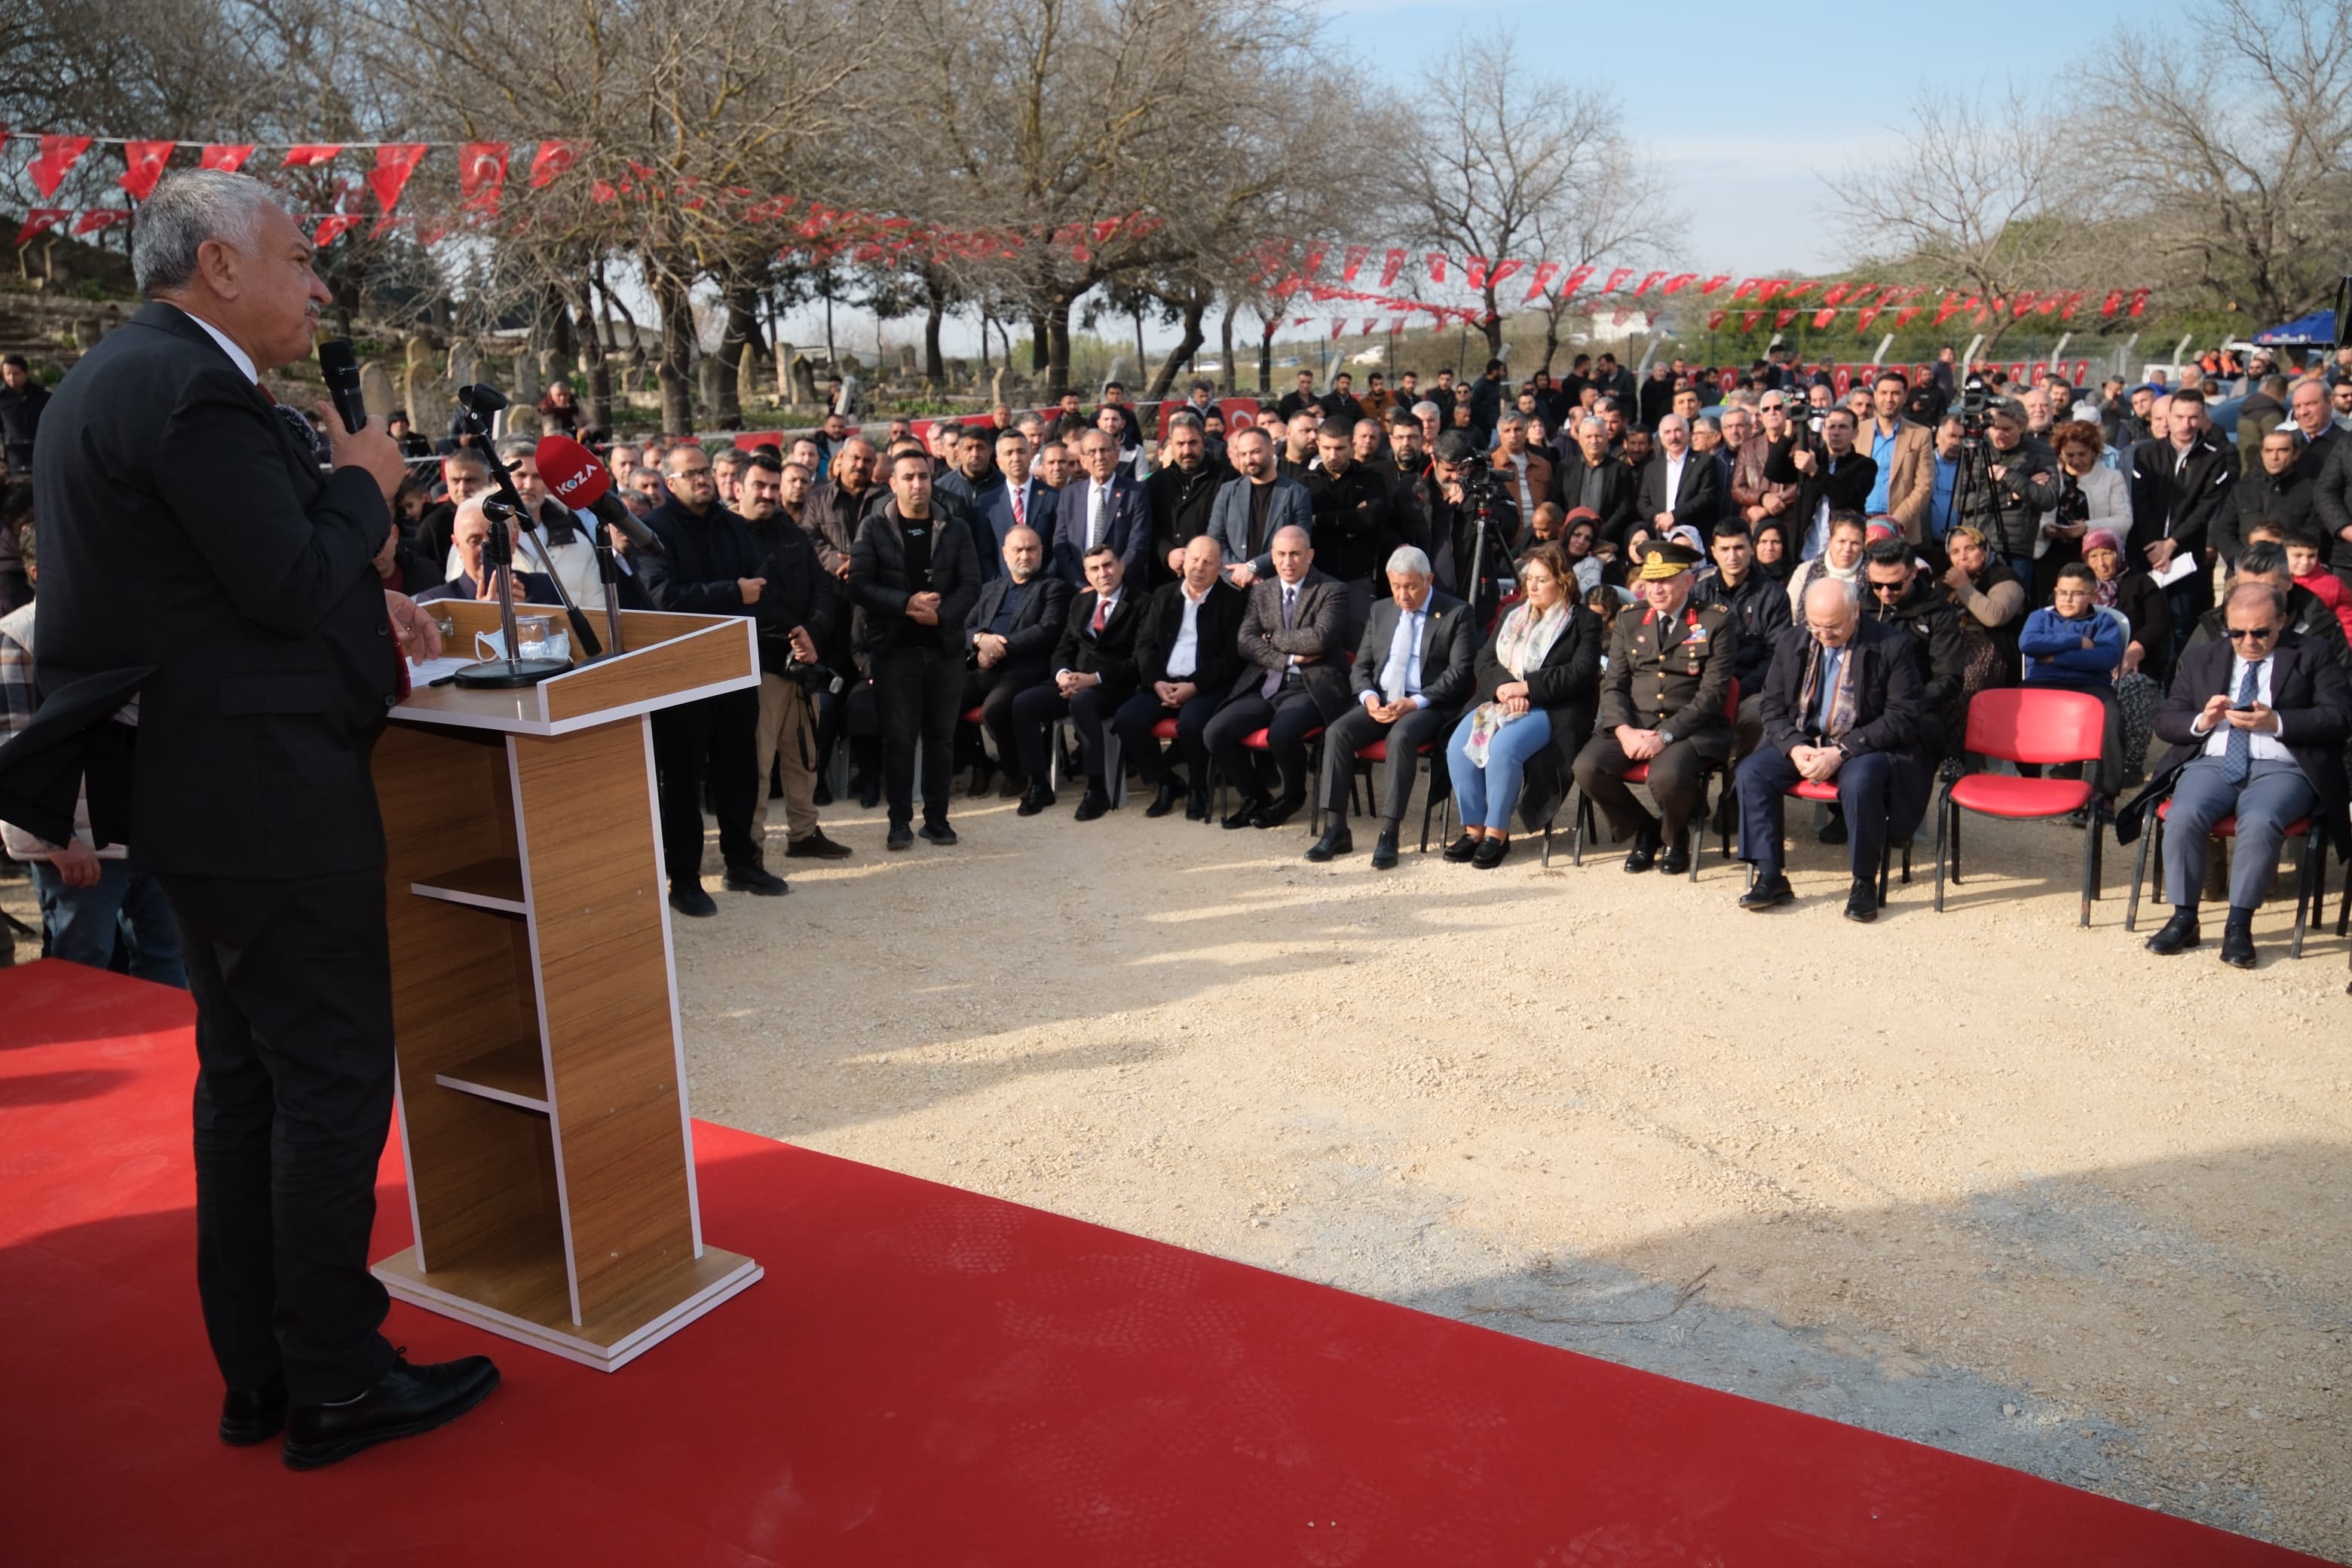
[1512, 417]
[2269, 594]
[1425, 408]
[1185, 416]
[512, 446]
[1592, 422]
[1409, 561]
[189, 207]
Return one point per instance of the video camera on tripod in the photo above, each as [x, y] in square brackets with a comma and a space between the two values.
[1974, 411]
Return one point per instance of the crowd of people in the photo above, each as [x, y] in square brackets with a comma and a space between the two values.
[1741, 578]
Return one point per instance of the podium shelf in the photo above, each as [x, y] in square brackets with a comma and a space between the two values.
[513, 1074]
[492, 884]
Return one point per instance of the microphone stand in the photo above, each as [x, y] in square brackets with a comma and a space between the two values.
[608, 572]
[498, 555]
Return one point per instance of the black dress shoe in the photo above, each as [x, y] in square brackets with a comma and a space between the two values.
[688, 899]
[1462, 850]
[1491, 852]
[1834, 830]
[870, 793]
[1246, 812]
[1644, 853]
[1861, 902]
[1038, 799]
[406, 1401]
[2238, 945]
[2178, 934]
[250, 1415]
[938, 833]
[901, 837]
[1197, 807]
[1163, 799]
[1384, 854]
[753, 878]
[1093, 803]
[816, 847]
[1276, 813]
[1677, 860]
[1767, 892]
[1335, 840]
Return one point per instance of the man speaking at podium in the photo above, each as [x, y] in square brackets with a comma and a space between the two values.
[193, 552]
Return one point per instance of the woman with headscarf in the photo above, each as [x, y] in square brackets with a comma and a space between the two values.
[1580, 547]
[1839, 558]
[1991, 603]
[1773, 556]
[2134, 597]
[1538, 687]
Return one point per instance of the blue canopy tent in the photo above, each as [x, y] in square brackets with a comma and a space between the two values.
[2316, 331]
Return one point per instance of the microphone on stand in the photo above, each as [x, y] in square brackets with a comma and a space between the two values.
[573, 473]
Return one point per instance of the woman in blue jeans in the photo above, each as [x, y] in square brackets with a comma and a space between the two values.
[1538, 678]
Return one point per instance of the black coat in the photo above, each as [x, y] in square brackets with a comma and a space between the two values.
[1180, 505]
[880, 584]
[1759, 609]
[1036, 625]
[708, 557]
[1620, 493]
[2328, 463]
[1567, 687]
[1888, 706]
[2259, 497]
[799, 592]
[1352, 537]
[1933, 624]
[185, 535]
[1216, 625]
[1110, 655]
[1697, 501]
[2182, 507]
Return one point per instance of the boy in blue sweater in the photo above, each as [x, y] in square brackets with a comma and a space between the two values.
[2076, 646]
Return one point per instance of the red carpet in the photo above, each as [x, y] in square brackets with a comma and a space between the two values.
[925, 1377]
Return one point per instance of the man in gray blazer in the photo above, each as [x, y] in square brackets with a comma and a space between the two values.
[1294, 681]
[1416, 666]
[1250, 510]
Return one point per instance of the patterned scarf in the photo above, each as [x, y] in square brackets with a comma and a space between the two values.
[1519, 647]
[1843, 701]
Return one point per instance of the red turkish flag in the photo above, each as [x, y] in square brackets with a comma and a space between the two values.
[1714, 319]
[1503, 270]
[2139, 302]
[1864, 317]
[1576, 278]
[310, 155]
[2114, 301]
[1750, 320]
[1678, 282]
[2066, 305]
[36, 220]
[1717, 281]
[1947, 307]
[482, 175]
[552, 159]
[2022, 306]
[1836, 293]
[1617, 276]
[1476, 267]
[332, 229]
[227, 157]
[101, 217]
[1782, 318]
[603, 191]
[1391, 265]
[1338, 325]
[395, 161]
[143, 165]
[1369, 323]
[1746, 287]
[1648, 283]
[1355, 259]
[1545, 272]
[55, 160]
[1904, 317]
[1823, 318]
[1436, 259]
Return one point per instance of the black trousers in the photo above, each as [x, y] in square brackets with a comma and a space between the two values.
[1353, 731]
[992, 691]
[1133, 723]
[1034, 713]
[1867, 788]
[1287, 718]
[1677, 782]
[715, 739]
[292, 981]
[918, 692]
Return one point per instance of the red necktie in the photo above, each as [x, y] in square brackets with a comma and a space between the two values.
[1102, 613]
[1020, 512]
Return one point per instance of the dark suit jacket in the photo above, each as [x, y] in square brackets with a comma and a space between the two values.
[2328, 462]
[1217, 626]
[185, 536]
[2308, 691]
[1229, 519]
[536, 589]
[1887, 695]
[1316, 634]
[1036, 626]
[1449, 651]
[1128, 531]
[1620, 493]
[2182, 509]
[1697, 502]
[1110, 655]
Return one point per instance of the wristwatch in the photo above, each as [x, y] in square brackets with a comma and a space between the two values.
[1666, 737]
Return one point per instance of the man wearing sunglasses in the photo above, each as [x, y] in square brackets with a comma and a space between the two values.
[2257, 721]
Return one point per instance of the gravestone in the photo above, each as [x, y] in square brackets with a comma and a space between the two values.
[376, 386]
[707, 377]
[747, 377]
[524, 392]
[803, 380]
[784, 374]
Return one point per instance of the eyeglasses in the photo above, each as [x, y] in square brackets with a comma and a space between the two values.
[2253, 634]
[1877, 587]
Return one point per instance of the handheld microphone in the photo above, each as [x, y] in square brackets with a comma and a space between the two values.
[577, 479]
[341, 370]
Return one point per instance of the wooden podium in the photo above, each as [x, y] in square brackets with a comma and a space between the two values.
[542, 1078]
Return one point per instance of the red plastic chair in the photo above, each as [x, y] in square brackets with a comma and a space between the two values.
[2023, 724]
[2311, 890]
[1256, 741]
[1640, 774]
[1371, 756]
[1824, 792]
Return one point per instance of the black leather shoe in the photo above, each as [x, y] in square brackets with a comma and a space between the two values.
[938, 833]
[1862, 903]
[1462, 850]
[1277, 813]
[688, 899]
[1335, 840]
[1163, 799]
[1644, 853]
[1834, 830]
[1093, 803]
[870, 793]
[754, 878]
[901, 837]
[1767, 892]
[816, 847]
[1384, 851]
[2178, 934]
[1038, 799]
[251, 1415]
[1197, 807]
[406, 1401]
[1677, 860]
[1246, 812]
[2238, 945]
[1491, 852]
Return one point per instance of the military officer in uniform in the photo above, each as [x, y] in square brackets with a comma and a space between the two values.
[1662, 702]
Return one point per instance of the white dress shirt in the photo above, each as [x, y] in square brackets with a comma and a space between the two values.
[1185, 653]
[1401, 671]
[243, 360]
[2261, 747]
[1674, 478]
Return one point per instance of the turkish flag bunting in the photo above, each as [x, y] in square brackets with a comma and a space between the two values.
[1545, 272]
[1836, 292]
[1782, 318]
[1750, 320]
[55, 160]
[2049, 304]
[1904, 317]
[603, 191]
[1475, 266]
[143, 165]
[101, 217]
[385, 223]
[1503, 270]
[1713, 320]
[2066, 305]
[1355, 260]
[229, 157]
[552, 159]
[310, 155]
[1864, 317]
[1823, 318]
[1717, 281]
[1947, 307]
[1768, 288]
[1678, 282]
[2115, 302]
[1648, 283]
[36, 220]
[2139, 302]
[1575, 279]
[332, 229]
[1369, 323]
[1746, 287]
[1861, 294]
[2022, 306]
[395, 161]
[482, 174]
[1391, 265]
[1617, 276]
[1436, 259]
[1789, 296]
[1338, 325]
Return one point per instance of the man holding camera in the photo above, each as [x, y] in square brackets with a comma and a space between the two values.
[795, 614]
[1442, 507]
[2011, 477]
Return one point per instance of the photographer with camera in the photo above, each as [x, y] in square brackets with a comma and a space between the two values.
[1760, 498]
[1450, 501]
[794, 614]
[2008, 479]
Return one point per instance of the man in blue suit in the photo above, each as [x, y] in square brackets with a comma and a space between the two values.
[1104, 504]
[1250, 510]
[1021, 501]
